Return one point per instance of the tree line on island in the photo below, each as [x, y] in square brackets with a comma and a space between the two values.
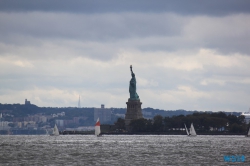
[203, 123]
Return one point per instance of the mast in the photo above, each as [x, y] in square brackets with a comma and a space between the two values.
[79, 102]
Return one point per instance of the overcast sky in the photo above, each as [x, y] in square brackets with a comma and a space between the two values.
[192, 55]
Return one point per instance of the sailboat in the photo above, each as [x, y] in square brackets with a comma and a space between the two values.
[248, 134]
[186, 129]
[55, 131]
[192, 130]
[98, 128]
[47, 133]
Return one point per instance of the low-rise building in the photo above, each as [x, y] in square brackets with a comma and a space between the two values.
[60, 123]
[120, 115]
[58, 114]
[4, 125]
[36, 118]
[104, 114]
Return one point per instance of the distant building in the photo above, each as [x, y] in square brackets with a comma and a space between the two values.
[18, 119]
[146, 113]
[4, 125]
[77, 119]
[67, 122]
[35, 118]
[32, 125]
[247, 116]
[19, 124]
[120, 115]
[60, 123]
[104, 114]
[27, 102]
[58, 114]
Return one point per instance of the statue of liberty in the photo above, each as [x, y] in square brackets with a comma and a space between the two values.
[134, 110]
[132, 87]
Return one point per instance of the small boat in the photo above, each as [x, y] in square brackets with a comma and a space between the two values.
[98, 128]
[47, 133]
[55, 131]
[192, 131]
[186, 129]
[248, 134]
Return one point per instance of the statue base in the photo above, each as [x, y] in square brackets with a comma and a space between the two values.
[133, 112]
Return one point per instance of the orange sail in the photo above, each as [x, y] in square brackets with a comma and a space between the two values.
[97, 122]
[97, 128]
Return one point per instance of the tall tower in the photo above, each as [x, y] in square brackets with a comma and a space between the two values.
[79, 103]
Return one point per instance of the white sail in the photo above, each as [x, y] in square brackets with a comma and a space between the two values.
[186, 129]
[55, 131]
[192, 131]
[97, 128]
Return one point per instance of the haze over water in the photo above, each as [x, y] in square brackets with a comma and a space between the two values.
[121, 150]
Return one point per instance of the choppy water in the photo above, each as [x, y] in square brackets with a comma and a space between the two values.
[121, 150]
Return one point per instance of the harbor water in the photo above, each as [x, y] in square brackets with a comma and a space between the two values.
[121, 150]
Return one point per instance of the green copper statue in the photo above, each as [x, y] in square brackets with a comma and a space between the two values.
[132, 87]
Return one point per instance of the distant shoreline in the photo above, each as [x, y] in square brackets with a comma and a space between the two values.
[122, 133]
[145, 133]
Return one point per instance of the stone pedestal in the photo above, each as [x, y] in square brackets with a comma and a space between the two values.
[133, 112]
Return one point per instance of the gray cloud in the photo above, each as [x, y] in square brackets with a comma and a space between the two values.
[211, 7]
[90, 27]
[113, 32]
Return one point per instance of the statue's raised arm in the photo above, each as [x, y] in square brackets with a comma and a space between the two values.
[131, 70]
